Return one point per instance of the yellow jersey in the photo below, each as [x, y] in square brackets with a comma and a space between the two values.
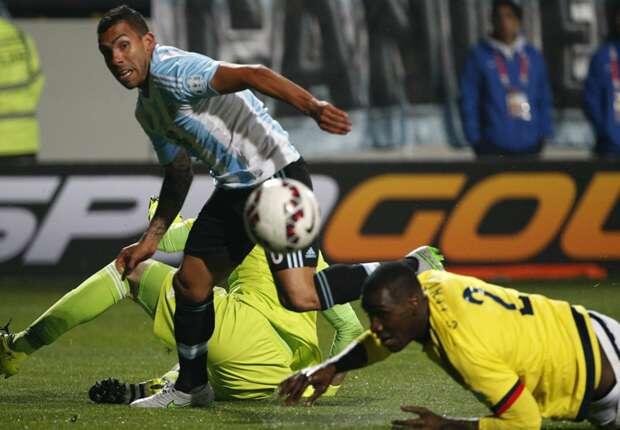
[526, 355]
[256, 342]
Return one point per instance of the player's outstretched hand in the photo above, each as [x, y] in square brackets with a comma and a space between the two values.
[330, 118]
[132, 255]
[426, 419]
[293, 387]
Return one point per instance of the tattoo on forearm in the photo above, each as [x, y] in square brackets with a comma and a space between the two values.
[177, 180]
[157, 228]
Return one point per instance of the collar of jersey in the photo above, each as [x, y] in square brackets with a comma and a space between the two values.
[508, 51]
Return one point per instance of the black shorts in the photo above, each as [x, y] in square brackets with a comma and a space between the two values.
[219, 231]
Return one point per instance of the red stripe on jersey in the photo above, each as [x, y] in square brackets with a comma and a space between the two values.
[509, 399]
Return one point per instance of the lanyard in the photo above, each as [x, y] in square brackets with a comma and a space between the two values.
[615, 68]
[524, 67]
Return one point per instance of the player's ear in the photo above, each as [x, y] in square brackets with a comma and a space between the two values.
[149, 41]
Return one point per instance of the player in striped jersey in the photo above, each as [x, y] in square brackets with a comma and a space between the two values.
[191, 105]
[526, 356]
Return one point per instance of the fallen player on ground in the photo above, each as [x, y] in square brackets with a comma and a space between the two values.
[526, 356]
[255, 345]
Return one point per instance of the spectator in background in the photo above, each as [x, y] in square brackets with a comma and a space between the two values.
[21, 82]
[602, 89]
[505, 99]
[388, 26]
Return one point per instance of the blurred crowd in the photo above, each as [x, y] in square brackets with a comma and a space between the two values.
[505, 93]
[505, 97]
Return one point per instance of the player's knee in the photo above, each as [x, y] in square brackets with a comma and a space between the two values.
[296, 289]
[191, 288]
[135, 277]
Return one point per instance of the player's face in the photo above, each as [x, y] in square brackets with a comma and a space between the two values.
[127, 54]
[396, 323]
[506, 24]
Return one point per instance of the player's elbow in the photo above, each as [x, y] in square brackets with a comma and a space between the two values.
[531, 421]
[258, 70]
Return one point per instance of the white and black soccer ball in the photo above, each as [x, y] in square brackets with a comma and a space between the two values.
[282, 215]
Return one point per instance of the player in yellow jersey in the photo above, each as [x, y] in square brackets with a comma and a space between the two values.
[527, 356]
[256, 343]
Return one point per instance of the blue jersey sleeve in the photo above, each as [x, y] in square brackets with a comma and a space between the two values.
[187, 77]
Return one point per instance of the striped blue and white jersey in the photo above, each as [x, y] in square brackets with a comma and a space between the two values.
[233, 134]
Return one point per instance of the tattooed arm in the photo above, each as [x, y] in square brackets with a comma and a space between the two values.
[178, 177]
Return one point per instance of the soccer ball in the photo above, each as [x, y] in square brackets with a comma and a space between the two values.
[282, 215]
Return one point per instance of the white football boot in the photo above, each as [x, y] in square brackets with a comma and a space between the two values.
[428, 257]
[170, 397]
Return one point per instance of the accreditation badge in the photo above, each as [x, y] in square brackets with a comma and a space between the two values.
[519, 106]
[617, 105]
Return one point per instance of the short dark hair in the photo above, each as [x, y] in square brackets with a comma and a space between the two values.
[516, 8]
[123, 13]
[397, 277]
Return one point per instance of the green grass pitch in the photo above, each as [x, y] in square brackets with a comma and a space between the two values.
[50, 391]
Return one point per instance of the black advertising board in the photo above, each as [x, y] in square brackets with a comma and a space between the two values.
[550, 218]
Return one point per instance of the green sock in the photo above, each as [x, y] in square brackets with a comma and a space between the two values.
[151, 282]
[89, 300]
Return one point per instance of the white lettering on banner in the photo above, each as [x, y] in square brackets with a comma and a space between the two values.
[325, 187]
[27, 189]
[200, 191]
[71, 216]
[327, 191]
[18, 225]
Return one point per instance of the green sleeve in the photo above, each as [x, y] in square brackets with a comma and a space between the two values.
[348, 327]
[176, 236]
